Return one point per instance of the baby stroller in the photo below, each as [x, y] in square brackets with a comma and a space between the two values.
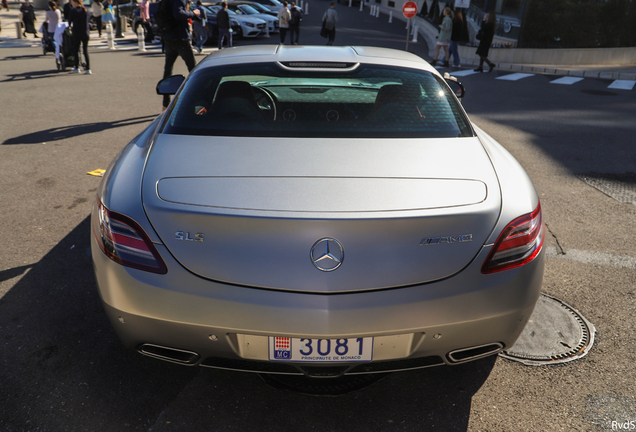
[66, 52]
[47, 41]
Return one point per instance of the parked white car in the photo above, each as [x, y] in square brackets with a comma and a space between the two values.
[250, 26]
[247, 10]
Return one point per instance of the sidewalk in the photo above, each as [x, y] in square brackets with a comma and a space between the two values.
[10, 38]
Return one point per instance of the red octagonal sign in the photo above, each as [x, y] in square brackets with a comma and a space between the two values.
[410, 9]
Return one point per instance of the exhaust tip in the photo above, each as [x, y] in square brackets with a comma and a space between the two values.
[169, 354]
[473, 353]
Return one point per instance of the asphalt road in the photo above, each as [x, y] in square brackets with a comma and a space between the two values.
[63, 369]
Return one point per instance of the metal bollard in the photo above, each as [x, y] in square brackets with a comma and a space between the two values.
[371, 10]
[267, 29]
[111, 40]
[350, 3]
[415, 32]
[390, 17]
[307, 8]
[377, 12]
[18, 29]
[141, 38]
[361, 5]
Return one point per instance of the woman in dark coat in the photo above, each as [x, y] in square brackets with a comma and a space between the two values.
[78, 20]
[28, 18]
[486, 34]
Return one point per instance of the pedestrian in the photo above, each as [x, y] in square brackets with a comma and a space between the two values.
[458, 35]
[485, 35]
[329, 20]
[66, 10]
[443, 40]
[108, 14]
[28, 18]
[144, 14]
[96, 9]
[78, 21]
[5, 4]
[200, 28]
[284, 16]
[177, 40]
[223, 23]
[52, 18]
[294, 24]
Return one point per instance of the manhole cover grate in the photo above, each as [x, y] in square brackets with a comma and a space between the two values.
[555, 333]
[621, 187]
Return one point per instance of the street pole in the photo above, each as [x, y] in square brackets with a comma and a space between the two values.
[408, 26]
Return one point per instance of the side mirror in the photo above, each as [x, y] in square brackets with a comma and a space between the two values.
[170, 85]
[455, 85]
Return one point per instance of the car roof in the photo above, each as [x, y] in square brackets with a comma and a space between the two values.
[314, 53]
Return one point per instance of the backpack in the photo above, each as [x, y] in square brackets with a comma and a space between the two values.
[164, 18]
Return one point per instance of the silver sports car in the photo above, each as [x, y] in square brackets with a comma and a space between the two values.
[324, 211]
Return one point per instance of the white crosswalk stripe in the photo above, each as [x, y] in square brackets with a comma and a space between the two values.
[514, 76]
[622, 84]
[464, 72]
[567, 80]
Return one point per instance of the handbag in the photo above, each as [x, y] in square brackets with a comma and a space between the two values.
[323, 31]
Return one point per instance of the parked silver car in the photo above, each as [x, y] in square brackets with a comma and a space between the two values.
[316, 210]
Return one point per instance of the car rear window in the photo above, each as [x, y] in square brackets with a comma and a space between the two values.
[301, 100]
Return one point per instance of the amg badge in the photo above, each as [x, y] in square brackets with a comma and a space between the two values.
[428, 241]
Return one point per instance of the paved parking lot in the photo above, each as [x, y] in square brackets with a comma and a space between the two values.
[63, 368]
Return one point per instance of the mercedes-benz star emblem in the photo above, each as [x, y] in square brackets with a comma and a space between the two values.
[327, 254]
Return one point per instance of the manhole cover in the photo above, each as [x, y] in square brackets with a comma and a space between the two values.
[555, 333]
[621, 187]
[321, 386]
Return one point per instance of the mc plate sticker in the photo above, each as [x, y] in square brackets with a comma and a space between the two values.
[321, 350]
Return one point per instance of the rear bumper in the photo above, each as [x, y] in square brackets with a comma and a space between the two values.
[227, 326]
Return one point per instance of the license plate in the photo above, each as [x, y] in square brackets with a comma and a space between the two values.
[321, 350]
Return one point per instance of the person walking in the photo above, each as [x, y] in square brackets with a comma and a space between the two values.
[200, 28]
[294, 24]
[96, 9]
[443, 40]
[458, 35]
[78, 21]
[52, 18]
[329, 20]
[485, 36]
[284, 16]
[223, 22]
[144, 14]
[177, 41]
[108, 15]
[28, 18]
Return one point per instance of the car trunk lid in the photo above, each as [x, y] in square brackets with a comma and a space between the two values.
[253, 212]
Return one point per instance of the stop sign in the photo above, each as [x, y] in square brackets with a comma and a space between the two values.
[410, 9]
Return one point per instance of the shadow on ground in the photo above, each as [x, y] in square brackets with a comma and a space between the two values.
[65, 132]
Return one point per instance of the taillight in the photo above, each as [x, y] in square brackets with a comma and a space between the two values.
[519, 243]
[123, 241]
